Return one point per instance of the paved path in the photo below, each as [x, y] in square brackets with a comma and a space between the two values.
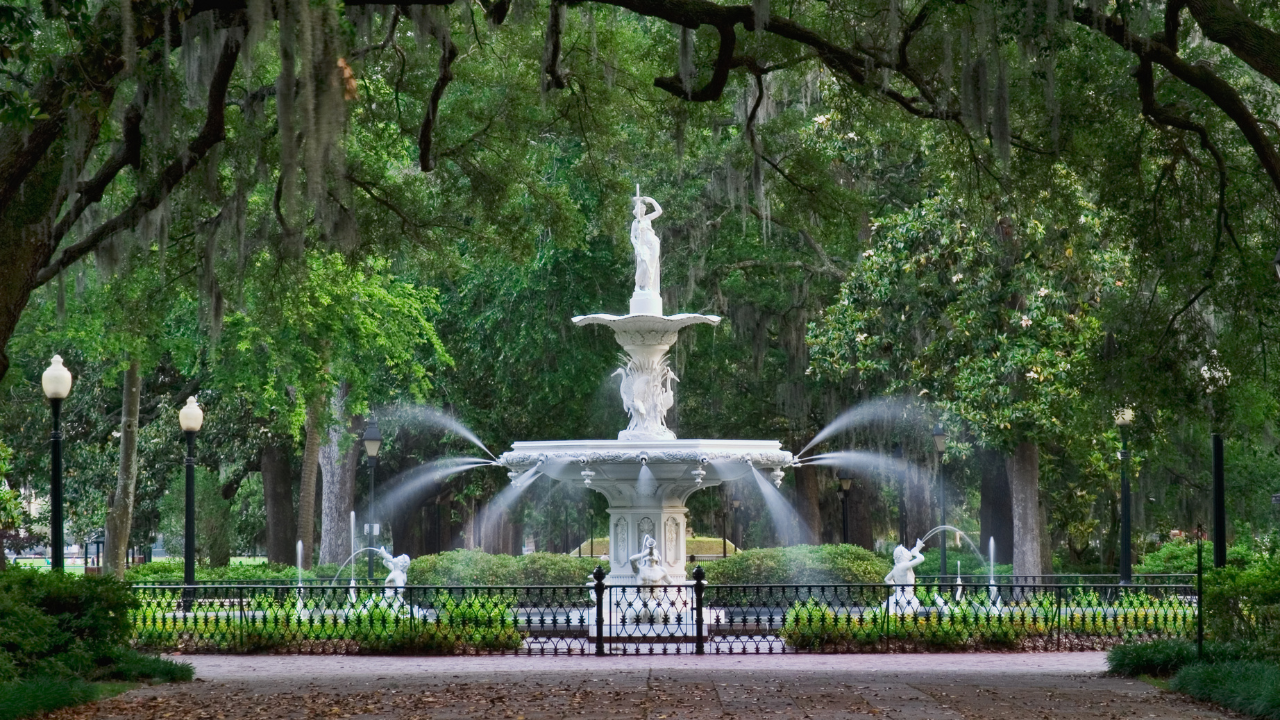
[1027, 686]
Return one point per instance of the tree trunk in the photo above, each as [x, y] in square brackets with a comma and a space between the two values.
[918, 504]
[277, 491]
[995, 512]
[863, 496]
[1024, 493]
[807, 490]
[120, 516]
[338, 477]
[310, 468]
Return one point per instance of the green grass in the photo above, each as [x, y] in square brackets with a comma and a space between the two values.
[1247, 686]
[25, 698]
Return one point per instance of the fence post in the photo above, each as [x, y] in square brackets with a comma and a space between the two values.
[600, 590]
[1199, 591]
[699, 585]
[1057, 613]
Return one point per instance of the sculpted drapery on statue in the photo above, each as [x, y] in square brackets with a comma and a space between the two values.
[647, 245]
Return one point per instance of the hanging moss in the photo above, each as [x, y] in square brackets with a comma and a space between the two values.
[1000, 133]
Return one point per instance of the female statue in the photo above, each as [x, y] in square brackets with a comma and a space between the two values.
[646, 243]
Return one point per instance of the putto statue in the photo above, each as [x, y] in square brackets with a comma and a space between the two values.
[903, 579]
[398, 568]
[647, 245]
[647, 564]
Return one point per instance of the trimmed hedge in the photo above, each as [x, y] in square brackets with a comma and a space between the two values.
[170, 572]
[1179, 557]
[477, 568]
[1247, 686]
[802, 564]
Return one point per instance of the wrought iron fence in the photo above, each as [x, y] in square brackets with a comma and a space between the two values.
[692, 618]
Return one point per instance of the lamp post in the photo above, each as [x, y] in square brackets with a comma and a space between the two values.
[1124, 418]
[372, 443]
[56, 382]
[940, 445]
[190, 417]
[737, 544]
[846, 481]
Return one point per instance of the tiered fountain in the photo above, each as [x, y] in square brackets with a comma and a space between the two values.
[647, 474]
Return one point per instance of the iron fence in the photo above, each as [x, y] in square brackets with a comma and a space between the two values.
[694, 618]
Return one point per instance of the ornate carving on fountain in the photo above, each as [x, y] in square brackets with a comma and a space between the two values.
[672, 533]
[645, 527]
[619, 539]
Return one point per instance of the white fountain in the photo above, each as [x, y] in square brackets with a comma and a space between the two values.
[647, 474]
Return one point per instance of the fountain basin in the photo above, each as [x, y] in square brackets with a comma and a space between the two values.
[652, 505]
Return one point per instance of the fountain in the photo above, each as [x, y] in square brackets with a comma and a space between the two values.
[647, 474]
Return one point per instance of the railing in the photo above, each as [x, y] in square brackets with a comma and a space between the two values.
[694, 618]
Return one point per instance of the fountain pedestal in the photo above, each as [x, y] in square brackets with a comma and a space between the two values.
[655, 506]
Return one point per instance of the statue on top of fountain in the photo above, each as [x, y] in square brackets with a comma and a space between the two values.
[903, 579]
[647, 564]
[647, 245]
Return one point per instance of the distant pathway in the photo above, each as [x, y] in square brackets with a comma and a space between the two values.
[1022, 686]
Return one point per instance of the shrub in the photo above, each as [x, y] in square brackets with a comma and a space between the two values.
[1163, 658]
[1179, 557]
[30, 697]
[799, 564]
[61, 624]
[169, 572]
[814, 626]
[1248, 686]
[1244, 603]
[130, 665]
[478, 568]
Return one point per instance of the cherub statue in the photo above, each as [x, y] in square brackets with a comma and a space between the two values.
[398, 567]
[646, 243]
[903, 578]
[647, 564]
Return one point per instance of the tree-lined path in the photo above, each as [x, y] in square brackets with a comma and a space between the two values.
[903, 687]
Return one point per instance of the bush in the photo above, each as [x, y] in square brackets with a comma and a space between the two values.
[1179, 557]
[1244, 603]
[1163, 658]
[799, 564]
[169, 572]
[30, 697]
[131, 666]
[61, 624]
[477, 568]
[814, 626]
[1248, 686]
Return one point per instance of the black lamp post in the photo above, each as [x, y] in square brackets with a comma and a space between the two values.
[737, 544]
[191, 418]
[372, 443]
[1124, 418]
[846, 481]
[56, 382]
[940, 444]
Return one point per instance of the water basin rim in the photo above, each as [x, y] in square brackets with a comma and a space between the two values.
[675, 322]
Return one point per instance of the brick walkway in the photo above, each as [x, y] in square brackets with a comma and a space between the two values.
[1027, 686]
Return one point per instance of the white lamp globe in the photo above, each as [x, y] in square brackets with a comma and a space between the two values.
[191, 417]
[56, 380]
[1124, 417]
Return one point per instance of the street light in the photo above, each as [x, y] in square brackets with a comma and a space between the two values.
[57, 386]
[190, 417]
[846, 480]
[372, 443]
[940, 444]
[1124, 418]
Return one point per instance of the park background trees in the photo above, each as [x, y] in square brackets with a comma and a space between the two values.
[215, 204]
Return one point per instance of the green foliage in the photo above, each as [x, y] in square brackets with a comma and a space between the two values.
[130, 665]
[61, 624]
[478, 568]
[169, 571]
[812, 625]
[1164, 657]
[27, 698]
[818, 564]
[1250, 687]
[1244, 603]
[1179, 557]
[970, 564]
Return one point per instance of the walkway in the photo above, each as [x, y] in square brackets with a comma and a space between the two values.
[1025, 686]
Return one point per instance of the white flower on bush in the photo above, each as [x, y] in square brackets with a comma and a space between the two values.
[1026, 321]
[1215, 374]
[1043, 292]
[822, 120]
[957, 278]
[868, 253]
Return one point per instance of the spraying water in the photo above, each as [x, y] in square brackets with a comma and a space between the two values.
[882, 409]
[506, 498]
[424, 477]
[646, 483]
[786, 523]
[865, 462]
[436, 418]
[948, 528]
